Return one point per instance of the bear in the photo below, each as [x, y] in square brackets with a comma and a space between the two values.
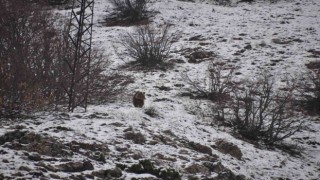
[138, 99]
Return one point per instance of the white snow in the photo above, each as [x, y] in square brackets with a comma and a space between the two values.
[221, 27]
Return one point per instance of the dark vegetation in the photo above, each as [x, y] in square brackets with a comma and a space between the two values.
[147, 167]
[35, 62]
[148, 46]
[255, 109]
[129, 12]
[310, 89]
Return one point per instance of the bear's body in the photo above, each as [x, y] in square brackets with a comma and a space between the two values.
[138, 99]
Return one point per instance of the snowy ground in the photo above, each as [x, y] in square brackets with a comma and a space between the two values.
[226, 31]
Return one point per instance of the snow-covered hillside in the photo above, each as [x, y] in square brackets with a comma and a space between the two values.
[111, 141]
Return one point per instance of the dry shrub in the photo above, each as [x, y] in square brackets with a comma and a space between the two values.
[147, 45]
[132, 10]
[216, 85]
[35, 62]
[263, 112]
[310, 88]
[27, 49]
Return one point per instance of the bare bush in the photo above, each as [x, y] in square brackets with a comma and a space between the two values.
[35, 60]
[147, 45]
[27, 66]
[262, 112]
[133, 10]
[310, 89]
[223, 2]
[102, 86]
[217, 84]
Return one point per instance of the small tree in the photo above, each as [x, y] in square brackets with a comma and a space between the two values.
[147, 45]
[216, 85]
[27, 51]
[262, 112]
[310, 89]
[133, 10]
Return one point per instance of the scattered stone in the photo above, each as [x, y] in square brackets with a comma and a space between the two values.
[115, 173]
[196, 168]
[25, 168]
[237, 38]
[34, 157]
[199, 55]
[128, 129]
[137, 138]
[229, 148]
[77, 146]
[163, 88]
[229, 175]
[10, 136]
[147, 167]
[200, 148]
[122, 148]
[18, 174]
[76, 166]
[216, 167]
[248, 47]
[280, 41]
[61, 128]
[3, 151]
[77, 177]
[183, 151]
[197, 38]
[163, 157]
[137, 155]
[178, 61]
[116, 124]
[5, 161]
[36, 174]
[48, 167]
[55, 176]
[169, 132]
[33, 142]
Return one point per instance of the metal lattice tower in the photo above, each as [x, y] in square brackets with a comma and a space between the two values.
[80, 35]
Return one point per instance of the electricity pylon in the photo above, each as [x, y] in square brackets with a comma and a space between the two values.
[80, 36]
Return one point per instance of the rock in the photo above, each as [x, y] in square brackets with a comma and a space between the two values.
[280, 41]
[34, 157]
[115, 173]
[18, 174]
[163, 88]
[77, 177]
[55, 176]
[137, 138]
[200, 148]
[196, 168]
[199, 55]
[229, 148]
[216, 167]
[197, 38]
[248, 47]
[32, 142]
[178, 61]
[137, 155]
[48, 167]
[116, 124]
[229, 175]
[3, 151]
[36, 174]
[10, 136]
[5, 161]
[76, 166]
[25, 168]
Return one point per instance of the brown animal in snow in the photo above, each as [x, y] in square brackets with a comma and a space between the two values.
[138, 99]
